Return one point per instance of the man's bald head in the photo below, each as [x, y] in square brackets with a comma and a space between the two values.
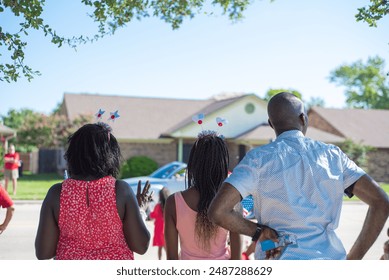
[286, 112]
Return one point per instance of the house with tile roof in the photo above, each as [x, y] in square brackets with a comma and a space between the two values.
[162, 128]
[366, 127]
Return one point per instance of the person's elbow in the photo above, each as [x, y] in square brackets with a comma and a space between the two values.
[11, 210]
[43, 254]
[143, 244]
[215, 213]
[381, 203]
[385, 206]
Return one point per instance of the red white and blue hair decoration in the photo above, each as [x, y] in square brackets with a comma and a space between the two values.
[99, 114]
[199, 119]
[113, 116]
[221, 121]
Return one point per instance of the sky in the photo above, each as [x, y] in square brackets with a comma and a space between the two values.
[291, 44]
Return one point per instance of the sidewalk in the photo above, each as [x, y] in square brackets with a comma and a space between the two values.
[17, 242]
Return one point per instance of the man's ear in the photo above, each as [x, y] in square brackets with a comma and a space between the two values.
[304, 119]
[269, 122]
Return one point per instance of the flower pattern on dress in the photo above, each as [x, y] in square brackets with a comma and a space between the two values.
[89, 223]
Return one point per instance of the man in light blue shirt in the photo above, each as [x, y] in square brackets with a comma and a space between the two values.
[298, 186]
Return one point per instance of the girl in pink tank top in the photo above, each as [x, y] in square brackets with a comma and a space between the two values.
[186, 222]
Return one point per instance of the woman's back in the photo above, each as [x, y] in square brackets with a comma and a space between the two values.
[191, 247]
[89, 223]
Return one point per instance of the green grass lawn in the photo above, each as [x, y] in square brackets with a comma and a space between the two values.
[35, 186]
[384, 186]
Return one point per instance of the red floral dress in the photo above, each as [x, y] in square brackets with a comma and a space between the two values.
[89, 223]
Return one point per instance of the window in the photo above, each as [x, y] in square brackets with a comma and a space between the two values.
[249, 108]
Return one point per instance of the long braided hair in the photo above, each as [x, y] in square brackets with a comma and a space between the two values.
[207, 169]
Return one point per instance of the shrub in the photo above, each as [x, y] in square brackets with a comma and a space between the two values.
[357, 152]
[138, 166]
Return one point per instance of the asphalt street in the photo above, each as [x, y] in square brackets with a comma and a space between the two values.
[17, 242]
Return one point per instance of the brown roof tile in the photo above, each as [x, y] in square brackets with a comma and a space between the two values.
[264, 134]
[369, 127]
[209, 108]
[140, 118]
[6, 131]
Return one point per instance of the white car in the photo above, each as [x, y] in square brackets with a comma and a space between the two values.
[171, 176]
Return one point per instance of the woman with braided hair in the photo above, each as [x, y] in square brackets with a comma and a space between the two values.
[186, 216]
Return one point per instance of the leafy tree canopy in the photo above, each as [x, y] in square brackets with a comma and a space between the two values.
[373, 12]
[108, 14]
[271, 92]
[313, 101]
[366, 84]
[36, 130]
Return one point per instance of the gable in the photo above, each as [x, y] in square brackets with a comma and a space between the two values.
[368, 127]
[263, 134]
[242, 113]
[140, 118]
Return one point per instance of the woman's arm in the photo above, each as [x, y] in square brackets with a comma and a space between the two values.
[171, 234]
[7, 219]
[135, 231]
[47, 236]
[236, 246]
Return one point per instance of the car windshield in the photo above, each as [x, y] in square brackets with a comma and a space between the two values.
[164, 171]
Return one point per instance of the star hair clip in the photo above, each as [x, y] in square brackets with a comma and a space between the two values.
[113, 116]
[221, 121]
[199, 119]
[99, 114]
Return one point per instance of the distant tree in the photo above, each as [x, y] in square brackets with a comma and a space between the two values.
[37, 130]
[15, 118]
[271, 92]
[366, 84]
[315, 101]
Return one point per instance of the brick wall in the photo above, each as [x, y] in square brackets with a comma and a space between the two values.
[233, 150]
[162, 153]
[165, 153]
[378, 165]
